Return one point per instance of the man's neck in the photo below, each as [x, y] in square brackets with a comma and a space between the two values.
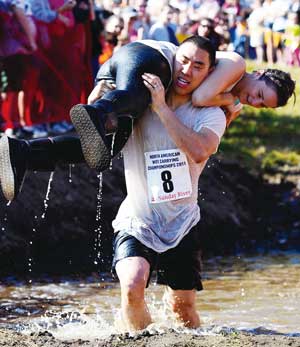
[174, 100]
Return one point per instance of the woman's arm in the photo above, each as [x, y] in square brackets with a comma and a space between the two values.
[229, 69]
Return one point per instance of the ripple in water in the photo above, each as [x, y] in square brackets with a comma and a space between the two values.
[257, 294]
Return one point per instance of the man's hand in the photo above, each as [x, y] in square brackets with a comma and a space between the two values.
[100, 89]
[157, 90]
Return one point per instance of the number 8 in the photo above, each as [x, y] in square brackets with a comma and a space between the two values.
[168, 185]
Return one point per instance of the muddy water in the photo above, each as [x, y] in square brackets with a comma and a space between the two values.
[251, 293]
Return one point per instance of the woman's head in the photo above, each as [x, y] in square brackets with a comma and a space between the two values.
[265, 88]
[281, 82]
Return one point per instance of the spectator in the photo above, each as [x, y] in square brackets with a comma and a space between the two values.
[98, 21]
[269, 17]
[109, 39]
[292, 39]
[184, 30]
[256, 30]
[143, 22]
[241, 41]
[221, 27]
[211, 8]
[206, 29]
[17, 44]
[233, 9]
[162, 29]
[129, 32]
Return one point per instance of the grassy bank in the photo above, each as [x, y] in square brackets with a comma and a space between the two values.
[267, 140]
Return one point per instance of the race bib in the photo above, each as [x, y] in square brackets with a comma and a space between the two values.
[168, 176]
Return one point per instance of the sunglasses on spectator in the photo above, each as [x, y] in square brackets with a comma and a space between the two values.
[206, 26]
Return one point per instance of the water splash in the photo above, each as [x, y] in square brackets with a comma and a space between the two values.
[87, 308]
[47, 194]
[34, 229]
[112, 150]
[98, 229]
[71, 166]
[3, 224]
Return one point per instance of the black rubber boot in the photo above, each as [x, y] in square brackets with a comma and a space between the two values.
[94, 122]
[89, 122]
[18, 156]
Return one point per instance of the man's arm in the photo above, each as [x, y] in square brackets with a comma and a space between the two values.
[197, 145]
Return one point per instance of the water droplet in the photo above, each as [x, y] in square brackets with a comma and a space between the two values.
[98, 229]
[70, 173]
[112, 150]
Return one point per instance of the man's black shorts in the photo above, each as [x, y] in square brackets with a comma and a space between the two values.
[179, 267]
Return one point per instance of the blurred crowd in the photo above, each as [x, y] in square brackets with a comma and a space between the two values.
[50, 50]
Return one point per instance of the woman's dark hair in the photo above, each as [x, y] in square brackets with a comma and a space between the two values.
[205, 44]
[281, 82]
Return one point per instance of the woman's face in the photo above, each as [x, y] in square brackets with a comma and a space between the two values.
[258, 93]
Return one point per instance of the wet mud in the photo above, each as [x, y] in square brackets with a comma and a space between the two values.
[10, 338]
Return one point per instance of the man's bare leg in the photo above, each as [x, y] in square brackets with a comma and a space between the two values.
[183, 304]
[133, 273]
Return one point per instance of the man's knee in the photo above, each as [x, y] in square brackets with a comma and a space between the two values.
[133, 274]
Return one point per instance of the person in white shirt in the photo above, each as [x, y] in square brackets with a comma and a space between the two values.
[163, 158]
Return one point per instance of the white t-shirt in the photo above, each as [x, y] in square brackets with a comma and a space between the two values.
[162, 226]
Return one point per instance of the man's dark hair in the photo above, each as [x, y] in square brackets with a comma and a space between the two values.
[281, 82]
[205, 44]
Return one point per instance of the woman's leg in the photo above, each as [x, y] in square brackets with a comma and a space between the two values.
[130, 97]
[18, 156]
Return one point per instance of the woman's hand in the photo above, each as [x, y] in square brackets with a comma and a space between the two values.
[157, 90]
[232, 112]
[100, 89]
